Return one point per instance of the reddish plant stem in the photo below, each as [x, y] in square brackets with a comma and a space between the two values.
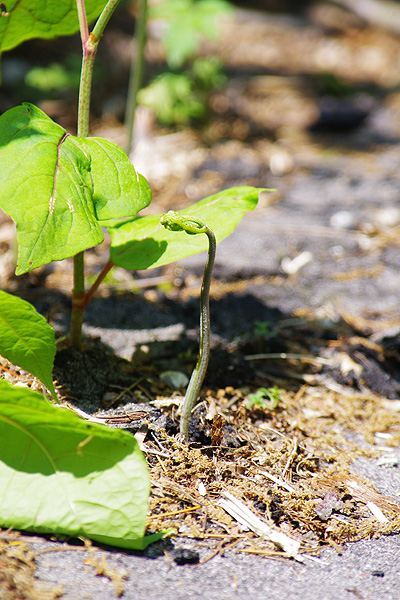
[78, 297]
[89, 295]
[83, 26]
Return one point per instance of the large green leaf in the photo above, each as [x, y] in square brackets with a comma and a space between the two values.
[25, 19]
[56, 186]
[26, 339]
[142, 243]
[60, 474]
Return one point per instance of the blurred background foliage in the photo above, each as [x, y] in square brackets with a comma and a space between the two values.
[176, 92]
[185, 23]
[234, 93]
[341, 49]
[180, 95]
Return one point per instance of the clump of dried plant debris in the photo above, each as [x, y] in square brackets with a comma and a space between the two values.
[17, 571]
[289, 465]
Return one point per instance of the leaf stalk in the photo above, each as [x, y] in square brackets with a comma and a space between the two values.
[83, 25]
[91, 292]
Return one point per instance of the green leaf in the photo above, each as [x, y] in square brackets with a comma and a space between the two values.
[114, 178]
[142, 242]
[27, 19]
[56, 186]
[26, 339]
[264, 398]
[63, 475]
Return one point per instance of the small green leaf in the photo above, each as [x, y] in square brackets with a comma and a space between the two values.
[56, 186]
[27, 19]
[26, 339]
[143, 242]
[60, 474]
[114, 177]
[264, 398]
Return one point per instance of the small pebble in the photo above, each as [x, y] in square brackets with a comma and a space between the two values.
[260, 505]
[292, 265]
[185, 556]
[153, 552]
[175, 379]
[342, 220]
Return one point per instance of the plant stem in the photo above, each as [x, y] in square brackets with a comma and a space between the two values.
[136, 73]
[90, 43]
[91, 292]
[83, 26]
[89, 47]
[197, 378]
[192, 225]
[103, 19]
[85, 88]
[78, 296]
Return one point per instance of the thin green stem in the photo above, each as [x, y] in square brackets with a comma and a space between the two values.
[193, 225]
[90, 43]
[103, 19]
[197, 378]
[85, 89]
[78, 293]
[136, 73]
[89, 47]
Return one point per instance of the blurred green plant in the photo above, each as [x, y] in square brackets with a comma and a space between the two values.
[263, 329]
[188, 22]
[177, 96]
[173, 99]
[263, 332]
[334, 86]
[52, 79]
[264, 398]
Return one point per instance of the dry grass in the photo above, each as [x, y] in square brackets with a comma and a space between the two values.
[291, 462]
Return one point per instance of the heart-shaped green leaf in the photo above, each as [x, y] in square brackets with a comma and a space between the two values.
[26, 339]
[142, 242]
[60, 474]
[56, 186]
[22, 20]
